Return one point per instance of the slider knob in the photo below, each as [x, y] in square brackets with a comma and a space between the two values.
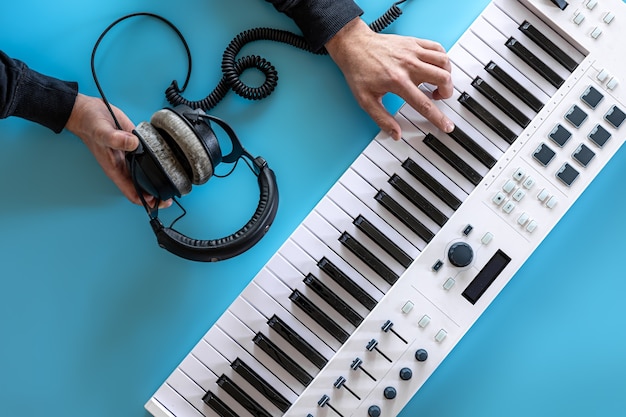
[460, 254]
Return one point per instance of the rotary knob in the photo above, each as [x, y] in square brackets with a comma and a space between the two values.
[460, 254]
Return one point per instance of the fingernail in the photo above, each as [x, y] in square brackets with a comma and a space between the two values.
[448, 126]
[395, 135]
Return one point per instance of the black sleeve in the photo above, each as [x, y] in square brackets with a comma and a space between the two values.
[33, 96]
[319, 20]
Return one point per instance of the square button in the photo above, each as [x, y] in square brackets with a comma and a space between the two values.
[599, 135]
[615, 116]
[560, 135]
[592, 97]
[567, 174]
[576, 116]
[543, 154]
[583, 154]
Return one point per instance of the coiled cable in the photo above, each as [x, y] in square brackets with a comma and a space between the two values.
[233, 68]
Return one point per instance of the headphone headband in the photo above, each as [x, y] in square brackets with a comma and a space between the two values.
[229, 246]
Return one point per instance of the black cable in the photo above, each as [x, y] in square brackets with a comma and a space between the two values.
[232, 68]
[103, 34]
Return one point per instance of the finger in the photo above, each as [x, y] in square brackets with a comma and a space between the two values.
[438, 77]
[438, 59]
[430, 44]
[425, 106]
[124, 121]
[122, 141]
[382, 117]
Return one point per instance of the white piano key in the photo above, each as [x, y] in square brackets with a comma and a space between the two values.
[467, 118]
[271, 284]
[491, 36]
[192, 392]
[415, 138]
[178, 405]
[391, 165]
[230, 349]
[306, 242]
[462, 118]
[464, 84]
[365, 192]
[210, 361]
[243, 335]
[257, 322]
[371, 173]
[516, 11]
[402, 150]
[484, 53]
[279, 266]
[268, 306]
[378, 180]
[509, 27]
[199, 373]
[329, 235]
[195, 370]
[473, 68]
[355, 207]
[334, 215]
[297, 257]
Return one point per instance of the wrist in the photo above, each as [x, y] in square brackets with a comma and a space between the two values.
[74, 121]
[347, 37]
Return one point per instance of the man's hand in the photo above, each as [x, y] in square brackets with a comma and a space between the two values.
[376, 64]
[91, 121]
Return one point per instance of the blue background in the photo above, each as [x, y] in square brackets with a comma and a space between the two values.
[94, 316]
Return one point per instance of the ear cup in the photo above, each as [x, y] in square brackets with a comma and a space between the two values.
[188, 142]
[157, 145]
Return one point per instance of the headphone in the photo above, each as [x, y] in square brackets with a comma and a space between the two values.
[177, 149]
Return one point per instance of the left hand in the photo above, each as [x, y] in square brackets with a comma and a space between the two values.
[375, 64]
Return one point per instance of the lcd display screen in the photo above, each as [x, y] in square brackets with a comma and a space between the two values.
[486, 276]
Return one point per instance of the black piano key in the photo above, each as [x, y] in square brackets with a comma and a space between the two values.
[383, 241]
[534, 62]
[501, 102]
[288, 364]
[562, 4]
[260, 385]
[218, 405]
[418, 200]
[295, 340]
[547, 45]
[347, 283]
[431, 183]
[241, 397]
[472, 147]
[333, 300]
[368, 258]
[486, 117]
[516, 88]
[453, 159]
[319, 316]
[404, 216]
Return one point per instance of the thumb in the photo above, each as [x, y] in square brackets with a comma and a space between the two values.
[123, 141]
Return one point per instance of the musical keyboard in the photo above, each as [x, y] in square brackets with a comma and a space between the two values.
[403, 254]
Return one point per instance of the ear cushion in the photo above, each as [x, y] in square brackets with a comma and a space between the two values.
[160, 149]
[188, 142]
